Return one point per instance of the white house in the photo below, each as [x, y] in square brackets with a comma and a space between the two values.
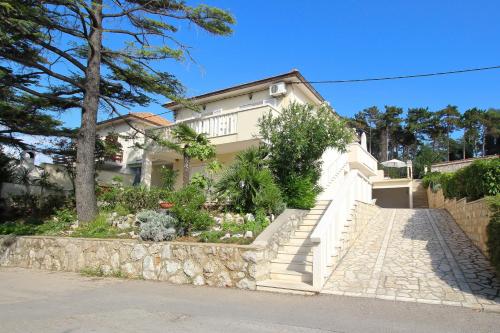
[128, 130]
[230, 117]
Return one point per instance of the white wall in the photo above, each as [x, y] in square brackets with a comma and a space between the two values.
[239, 101]
[131, 154]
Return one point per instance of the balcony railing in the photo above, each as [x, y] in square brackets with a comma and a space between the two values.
[242, 122]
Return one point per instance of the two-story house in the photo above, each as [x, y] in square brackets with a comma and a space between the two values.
[127, 131]
[229, 117]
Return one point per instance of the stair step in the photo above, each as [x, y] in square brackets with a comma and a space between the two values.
[293, 257]
[303, 227]
[291, 276]
[296, 249]
[302, 234]
[285, 286]
[296, 267]
[299, 241]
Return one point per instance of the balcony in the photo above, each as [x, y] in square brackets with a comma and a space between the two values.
[361, 159]
[226, 128]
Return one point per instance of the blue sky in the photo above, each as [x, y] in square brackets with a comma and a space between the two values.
[352, 39]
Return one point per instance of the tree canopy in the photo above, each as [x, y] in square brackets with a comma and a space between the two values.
[95, 55]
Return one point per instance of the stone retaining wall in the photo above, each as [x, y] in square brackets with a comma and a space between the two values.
[472, 217]
[220, 265]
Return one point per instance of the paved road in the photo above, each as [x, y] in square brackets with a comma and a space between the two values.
[417, 255]
[38, 301]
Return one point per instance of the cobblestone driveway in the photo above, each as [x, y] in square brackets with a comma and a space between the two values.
[418, 255]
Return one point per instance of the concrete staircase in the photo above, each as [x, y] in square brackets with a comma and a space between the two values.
[291, 270]
[419, 195]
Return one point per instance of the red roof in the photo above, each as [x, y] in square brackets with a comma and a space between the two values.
[144, 116]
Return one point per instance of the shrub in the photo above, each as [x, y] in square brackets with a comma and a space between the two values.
[494, 231]
[301, 192]
[99, 228]
[188, 209]
[156, 226]
[18, 228]
[432, 180]
[248, 185]
[131, 198]
[296, 140]
[60, 222]
[481, 178]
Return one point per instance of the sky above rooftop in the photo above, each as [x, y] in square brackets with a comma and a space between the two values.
[329, 40]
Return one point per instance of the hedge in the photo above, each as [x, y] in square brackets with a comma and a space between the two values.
[480, 179]
[494, 232]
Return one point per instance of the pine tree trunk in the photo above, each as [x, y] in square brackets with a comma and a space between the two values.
[463, 148]
[383, 145]
[448, 146]
[86, 204]
[186, 170]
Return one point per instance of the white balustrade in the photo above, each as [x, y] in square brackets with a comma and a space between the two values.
[212, 126]
[345, 187]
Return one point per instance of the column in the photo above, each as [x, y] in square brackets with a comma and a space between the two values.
[146, 170]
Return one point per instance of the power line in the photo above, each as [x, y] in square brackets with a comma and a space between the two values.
[459, 71]
[468, 70]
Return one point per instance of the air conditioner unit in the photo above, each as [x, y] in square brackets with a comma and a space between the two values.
[277, 89]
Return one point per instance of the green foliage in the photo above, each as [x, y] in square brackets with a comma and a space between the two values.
[60, 221]
[296, 140]
[304, 191]
[156, 226]
[99, 272]
[190, 144]
[98, 228]
[248, 185]
[188, 209]
[432, 179]
[131, 198]
[494, 231]
[19, 228]
[168, 178]
[481, 178]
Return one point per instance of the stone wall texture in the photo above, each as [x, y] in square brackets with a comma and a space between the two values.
[220, 265]
[472, 217]
[458, 164]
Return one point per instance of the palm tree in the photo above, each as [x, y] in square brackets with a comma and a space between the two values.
[190, 145]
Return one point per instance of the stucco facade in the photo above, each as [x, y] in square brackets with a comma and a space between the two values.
[230, 118]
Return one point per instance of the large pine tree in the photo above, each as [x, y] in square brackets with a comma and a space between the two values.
[92, 54]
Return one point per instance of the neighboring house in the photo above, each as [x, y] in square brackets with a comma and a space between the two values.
[128, 131]
[230, 119]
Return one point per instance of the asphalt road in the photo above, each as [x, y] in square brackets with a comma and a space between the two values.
[39, 301]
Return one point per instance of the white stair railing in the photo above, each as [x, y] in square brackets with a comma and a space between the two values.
[347, 186]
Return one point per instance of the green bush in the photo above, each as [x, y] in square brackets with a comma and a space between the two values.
[248, 185]
[481, 178]
[432, 180]
[188, 209]
[60, 221]
[301, 192]
[131, 198]
[18, 228]
[494, 231]
[99, 228]
[296, 140]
